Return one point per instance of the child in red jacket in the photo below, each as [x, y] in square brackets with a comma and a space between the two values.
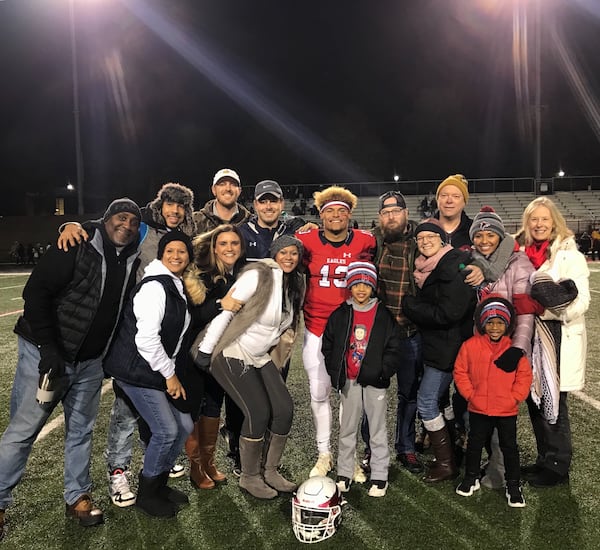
[493, 394]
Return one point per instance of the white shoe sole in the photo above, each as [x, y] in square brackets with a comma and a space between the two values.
[469, 493]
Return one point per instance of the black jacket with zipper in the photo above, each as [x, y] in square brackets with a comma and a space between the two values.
[381, 356]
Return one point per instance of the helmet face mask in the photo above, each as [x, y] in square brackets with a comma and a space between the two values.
[316, 510]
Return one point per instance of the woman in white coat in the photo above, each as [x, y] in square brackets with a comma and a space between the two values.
[561, 286]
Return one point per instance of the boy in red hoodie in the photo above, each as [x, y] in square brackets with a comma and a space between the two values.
[493, 394]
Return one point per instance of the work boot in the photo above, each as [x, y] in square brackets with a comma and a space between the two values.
[443, 467]
[273, 478]
[251, 480]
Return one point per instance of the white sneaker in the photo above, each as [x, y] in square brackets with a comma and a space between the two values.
[378, 488]
[359, 474]
[177, 471]
[323, 465]
[118, 488]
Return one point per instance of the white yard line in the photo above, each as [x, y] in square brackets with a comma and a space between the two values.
[60, 419]
[587, 399]
[11, 313]
[14, 286]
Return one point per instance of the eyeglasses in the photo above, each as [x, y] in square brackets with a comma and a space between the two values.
[428, 238]
[393, 212]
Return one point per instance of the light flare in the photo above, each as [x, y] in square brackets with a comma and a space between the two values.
[263, 109]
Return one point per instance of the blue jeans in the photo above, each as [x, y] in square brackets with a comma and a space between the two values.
[408, 376]
[169, 427]
[80, 397]
[121, 430]
[433, 384]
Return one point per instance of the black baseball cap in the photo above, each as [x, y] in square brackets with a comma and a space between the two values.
[396, 195]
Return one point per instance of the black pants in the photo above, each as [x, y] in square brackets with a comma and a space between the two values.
[554, 445]
[480, 430]
[260, 393]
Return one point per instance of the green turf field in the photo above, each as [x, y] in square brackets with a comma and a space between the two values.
[412, 515]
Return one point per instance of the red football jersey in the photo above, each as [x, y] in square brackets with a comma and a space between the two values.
[326, 264]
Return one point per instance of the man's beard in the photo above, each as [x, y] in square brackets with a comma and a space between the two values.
[392, 234]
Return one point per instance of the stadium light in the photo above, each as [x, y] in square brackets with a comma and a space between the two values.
[77, 131]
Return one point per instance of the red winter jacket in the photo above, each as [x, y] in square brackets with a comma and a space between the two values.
[488, 389]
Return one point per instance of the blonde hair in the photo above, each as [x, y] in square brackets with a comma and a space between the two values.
[559, 224]
[335, 193]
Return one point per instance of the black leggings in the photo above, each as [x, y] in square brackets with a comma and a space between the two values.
[260, 393]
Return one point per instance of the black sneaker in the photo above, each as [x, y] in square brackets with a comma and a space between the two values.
[410, 462]
[514, 494]
[468, 486]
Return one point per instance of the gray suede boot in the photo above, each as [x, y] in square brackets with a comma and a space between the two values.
[251, 479]
[273, 460]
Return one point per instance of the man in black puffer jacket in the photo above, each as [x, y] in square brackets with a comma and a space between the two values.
[72, 304]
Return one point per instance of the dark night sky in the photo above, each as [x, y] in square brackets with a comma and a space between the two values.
[301, 92]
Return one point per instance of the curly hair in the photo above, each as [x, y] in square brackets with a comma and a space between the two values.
[335, 193]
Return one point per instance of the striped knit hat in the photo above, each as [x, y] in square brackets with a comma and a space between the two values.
[361, 272]
[495, 306]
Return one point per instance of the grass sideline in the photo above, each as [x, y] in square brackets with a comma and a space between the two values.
[411, 515]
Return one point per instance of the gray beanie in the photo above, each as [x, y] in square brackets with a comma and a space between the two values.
[283, 242]
[487, 220]
[122, 205]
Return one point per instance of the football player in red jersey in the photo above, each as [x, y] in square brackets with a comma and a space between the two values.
[327, 253]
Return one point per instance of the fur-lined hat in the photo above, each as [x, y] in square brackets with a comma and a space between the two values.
[174, 192]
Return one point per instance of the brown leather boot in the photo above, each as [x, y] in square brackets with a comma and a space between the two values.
[443, 466]
[208, 431]
[198, 476]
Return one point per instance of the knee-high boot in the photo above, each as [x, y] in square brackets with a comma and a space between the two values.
[251, 452]
[275, 446]
[443, 467]
[208, 432]
[198, 477]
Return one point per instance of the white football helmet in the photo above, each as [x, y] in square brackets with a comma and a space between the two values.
[316, 509]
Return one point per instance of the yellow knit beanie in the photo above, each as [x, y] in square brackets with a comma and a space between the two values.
[459, 181]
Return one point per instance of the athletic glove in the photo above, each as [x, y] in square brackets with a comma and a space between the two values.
[509, 360]
[51, 362]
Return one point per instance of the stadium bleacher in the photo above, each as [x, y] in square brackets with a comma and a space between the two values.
[580, 208]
